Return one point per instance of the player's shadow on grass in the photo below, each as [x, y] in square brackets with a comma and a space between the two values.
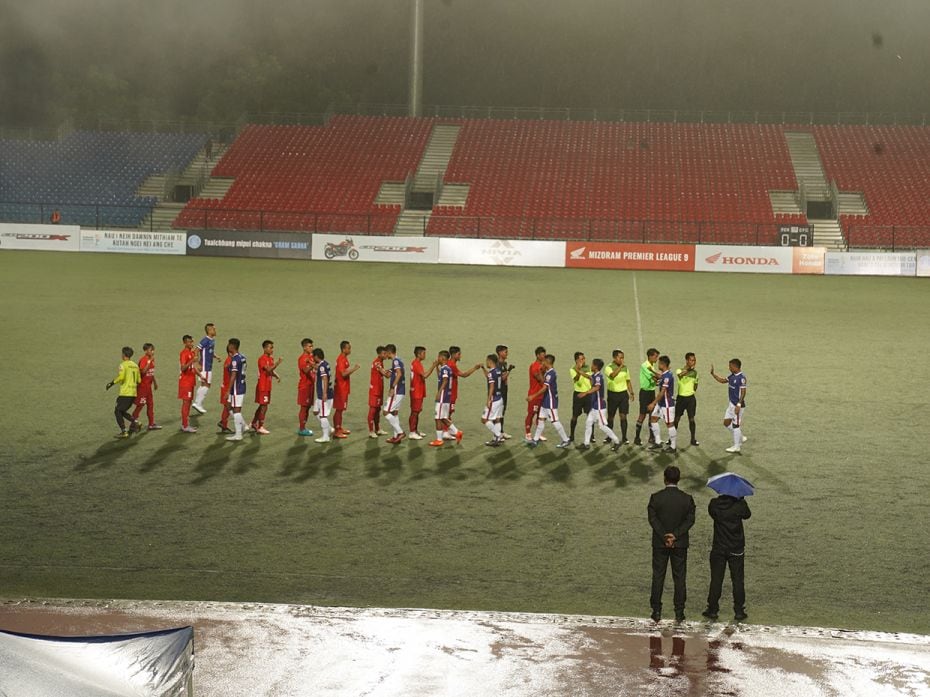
[174, 444]
[503, 466]
[611, 471]
[212, 462]
[248, 456]
[386, 469]
[106, 455]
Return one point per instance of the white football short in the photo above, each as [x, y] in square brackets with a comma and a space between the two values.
[666, 414]
[236, 400]
[548, 414]
[322, 407]
[731, 414]
[442, 410]
[495, 411]
[393, 403]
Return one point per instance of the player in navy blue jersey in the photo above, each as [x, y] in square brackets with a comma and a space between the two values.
[736, 408]
[549, 409]
[323, 403]
[494, 403]
[443, 413]
[598, 408]
[236, 388]
[663, 406]
[396, 392]
[207, 349]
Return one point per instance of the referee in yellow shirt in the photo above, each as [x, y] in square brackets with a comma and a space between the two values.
[581, 383]
[687, 397]
[128, 380]
[619, 393]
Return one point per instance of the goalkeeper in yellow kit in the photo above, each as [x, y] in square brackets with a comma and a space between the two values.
[128, 380]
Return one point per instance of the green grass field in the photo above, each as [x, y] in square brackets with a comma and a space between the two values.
[836, 416]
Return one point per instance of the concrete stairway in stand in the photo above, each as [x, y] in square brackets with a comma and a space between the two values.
[391, 194]
[805, 158]
[827, 233]
[436, 157]
[412, 223]
[784, 202]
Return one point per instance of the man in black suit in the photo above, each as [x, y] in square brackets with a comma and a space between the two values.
[671, 515]
[728, 549]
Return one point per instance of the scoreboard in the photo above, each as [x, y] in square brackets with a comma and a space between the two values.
[796, 235]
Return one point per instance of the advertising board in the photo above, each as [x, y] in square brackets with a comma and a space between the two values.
[871, 263]
[50, 238]
[133, 241]
[733, 258]
[808, 260]
[501, 252]
[408, 250]
[615, 255]
[236, 243]
[923, 262]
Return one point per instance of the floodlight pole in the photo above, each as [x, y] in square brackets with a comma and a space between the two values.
[415, 107]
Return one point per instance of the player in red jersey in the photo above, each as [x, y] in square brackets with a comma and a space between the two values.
[306, 370]
[224, 394]
[418, 390]
[455, 355]
[266, 371]
[376, 393]
[144, 397]
[341, 388]
[190, 368]
[537, 371]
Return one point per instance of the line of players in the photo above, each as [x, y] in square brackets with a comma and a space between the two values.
[601, 392]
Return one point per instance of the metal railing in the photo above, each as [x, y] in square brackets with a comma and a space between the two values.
[887, 237]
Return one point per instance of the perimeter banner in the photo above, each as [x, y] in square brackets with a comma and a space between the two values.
[407, 250]
[49, 238]
[615, 255]
[133, 241]
[734, 258]
[237, 243]
[871, 263]
[809, 260]
[501, 252]
[923, 262]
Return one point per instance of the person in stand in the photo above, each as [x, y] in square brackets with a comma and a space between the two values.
[128, 379]
[671, 516]
[647, 392]
[728, 549]
[341, 389]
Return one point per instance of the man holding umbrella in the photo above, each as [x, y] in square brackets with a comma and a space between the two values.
[728, 511]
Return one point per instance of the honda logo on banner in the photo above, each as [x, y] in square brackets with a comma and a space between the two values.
[745, 259]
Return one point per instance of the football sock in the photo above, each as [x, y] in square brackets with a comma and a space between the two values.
[337, 420]
[324, 425]
[528, 422]
[224, 417]
[185, 413]
[200, 395]
[119, 419]
[438, 435]
[560, 429]
[452, 430]
[540, 425]
[654, 429]
[239, 422]
[609, 432]
[257, 419]
[672, 436]
[623, 428]
[137, 411]
[395, 423]
[150, 411]
[497, 429]
[302, 418]
[377, 419]
[639, 428]
[490, 427]
[737, 436]
[692, 426]
[414, 421]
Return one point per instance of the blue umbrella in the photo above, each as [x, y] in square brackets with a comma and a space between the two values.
[731, 484]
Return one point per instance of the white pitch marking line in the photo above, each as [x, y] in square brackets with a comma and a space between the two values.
[639, 321]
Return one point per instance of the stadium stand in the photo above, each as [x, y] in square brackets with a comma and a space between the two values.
[90, 178]
[617, 181]
[323, 178]
[890, 166]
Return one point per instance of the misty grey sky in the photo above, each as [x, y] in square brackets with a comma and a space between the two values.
[209, 57]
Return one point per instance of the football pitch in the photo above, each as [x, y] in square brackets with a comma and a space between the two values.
[836, 424]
